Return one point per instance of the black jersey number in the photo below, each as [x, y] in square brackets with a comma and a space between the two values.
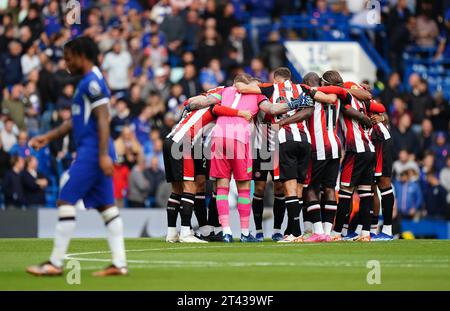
[330, 116]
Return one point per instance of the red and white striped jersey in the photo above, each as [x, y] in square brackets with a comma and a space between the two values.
[194, 125]
[379, 131]
[197, 123]
[357, 139]
[282, 93]
[323, 126]
[264, 134]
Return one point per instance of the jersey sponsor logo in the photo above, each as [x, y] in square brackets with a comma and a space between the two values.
[94, 88]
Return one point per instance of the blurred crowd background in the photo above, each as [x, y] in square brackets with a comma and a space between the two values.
[155, 54]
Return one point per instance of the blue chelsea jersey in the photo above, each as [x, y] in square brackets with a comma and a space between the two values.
[91, 92]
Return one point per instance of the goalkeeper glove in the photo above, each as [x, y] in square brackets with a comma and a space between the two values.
[301, 102]
[188, 108]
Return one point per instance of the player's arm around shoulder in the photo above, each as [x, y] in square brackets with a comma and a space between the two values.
[299, 116]
[330, 99]
[362, 118]
[247, 88]
[200, 102]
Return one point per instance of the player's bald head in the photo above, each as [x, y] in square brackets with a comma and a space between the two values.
[311, 79]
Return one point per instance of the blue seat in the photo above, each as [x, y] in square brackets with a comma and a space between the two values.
[430, 228]
[51, 193]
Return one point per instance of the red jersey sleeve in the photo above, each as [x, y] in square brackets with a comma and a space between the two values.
[267, 89]
[261, 98]
[339, 91]
[220, 110]
[376, 107]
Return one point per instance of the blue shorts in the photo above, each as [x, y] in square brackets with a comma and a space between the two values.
[87, 182]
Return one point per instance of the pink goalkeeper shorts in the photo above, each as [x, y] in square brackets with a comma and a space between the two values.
[230, 156]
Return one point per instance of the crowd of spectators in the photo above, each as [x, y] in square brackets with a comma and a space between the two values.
[155, 54]
[420, 130]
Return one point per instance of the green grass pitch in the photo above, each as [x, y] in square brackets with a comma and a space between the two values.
[156, 265]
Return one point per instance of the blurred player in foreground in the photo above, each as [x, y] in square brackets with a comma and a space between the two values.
[90, 176]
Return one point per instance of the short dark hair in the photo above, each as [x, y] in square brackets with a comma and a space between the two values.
[34, 7]
[428, 153]
[14, 159]
[28, 160]
[311, 79]
[282, 72]
[85, 46]
[332, 77]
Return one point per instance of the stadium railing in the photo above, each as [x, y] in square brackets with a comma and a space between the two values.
[337, 30]
[421, 61]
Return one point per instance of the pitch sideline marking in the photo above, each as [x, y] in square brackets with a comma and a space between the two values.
[201, 264]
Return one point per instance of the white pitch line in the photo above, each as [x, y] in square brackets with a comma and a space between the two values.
[68, 256]
[407, 263]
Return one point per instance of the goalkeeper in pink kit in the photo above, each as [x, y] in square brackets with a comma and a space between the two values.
[231, 153]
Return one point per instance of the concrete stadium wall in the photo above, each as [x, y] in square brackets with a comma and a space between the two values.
[142, 222]
[138, 222]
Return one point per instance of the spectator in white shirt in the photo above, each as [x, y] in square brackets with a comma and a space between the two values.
[117, 68]
[8, 137]
[161, 10]
[30, 60]
[444, 178]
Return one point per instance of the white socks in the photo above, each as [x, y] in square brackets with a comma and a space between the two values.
[345, 230]
[185, 231]
[114, 226]
[358, 229]
[308, 226]
[172, 231]
[364, 233]
[245, 232]
[317, 227]
[63, 233]
[387, 230]
[327, 227]
[227, 230]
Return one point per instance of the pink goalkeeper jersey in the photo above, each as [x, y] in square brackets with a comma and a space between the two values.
[237, 127]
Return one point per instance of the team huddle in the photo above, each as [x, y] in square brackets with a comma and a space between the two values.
[246, 132]
[297, 133]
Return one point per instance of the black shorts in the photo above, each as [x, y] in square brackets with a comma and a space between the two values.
[201, 163]
[323, 173]
[384, 157]
[178, 168]
[357, 169]
[294, 160]
[262, 167]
